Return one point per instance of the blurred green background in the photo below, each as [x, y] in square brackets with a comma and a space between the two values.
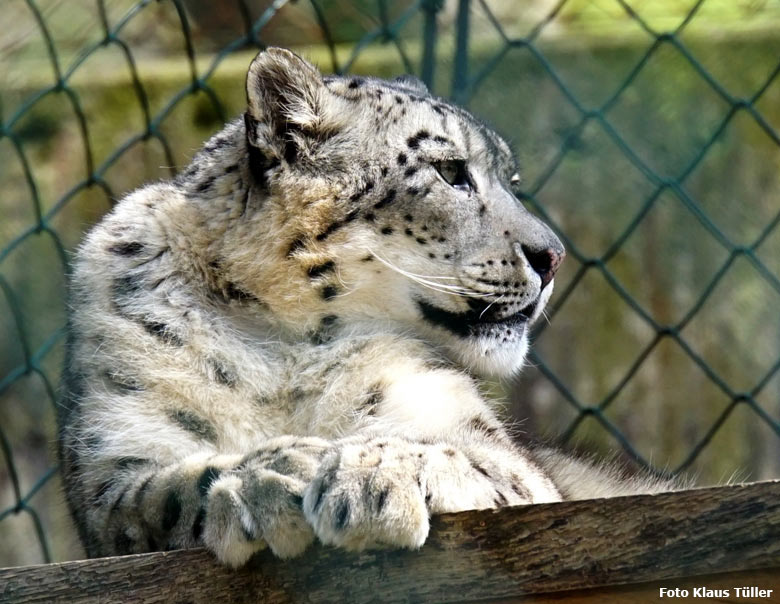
[647, 133]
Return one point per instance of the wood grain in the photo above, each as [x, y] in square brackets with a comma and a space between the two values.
[490, 555]
[648, 593]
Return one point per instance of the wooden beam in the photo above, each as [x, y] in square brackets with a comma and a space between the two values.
[693, 589]
[491, 555]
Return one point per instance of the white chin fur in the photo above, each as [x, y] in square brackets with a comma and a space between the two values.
[495, 357]
[489, 358]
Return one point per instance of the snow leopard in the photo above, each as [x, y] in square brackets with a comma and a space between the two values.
[287, 342]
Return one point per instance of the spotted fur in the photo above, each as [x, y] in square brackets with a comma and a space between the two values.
[285, 342]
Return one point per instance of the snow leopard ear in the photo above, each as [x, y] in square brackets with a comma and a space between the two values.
[286, 99]
[412, 83]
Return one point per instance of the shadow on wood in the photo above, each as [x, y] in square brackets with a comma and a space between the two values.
[491, 555]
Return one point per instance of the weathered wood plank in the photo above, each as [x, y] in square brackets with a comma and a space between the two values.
[486, 555]
[648, 593]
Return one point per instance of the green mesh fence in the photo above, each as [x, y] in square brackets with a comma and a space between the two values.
[648, 134]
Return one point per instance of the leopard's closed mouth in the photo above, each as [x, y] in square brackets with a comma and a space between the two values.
[473, 322]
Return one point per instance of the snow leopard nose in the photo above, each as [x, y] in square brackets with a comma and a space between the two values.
[545, 261]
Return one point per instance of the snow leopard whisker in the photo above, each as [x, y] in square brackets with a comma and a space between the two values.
[426, 280]
[488, 306]
[545, 315]
[409, 273]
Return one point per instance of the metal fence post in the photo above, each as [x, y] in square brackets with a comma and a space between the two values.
[431, 9]
[460, 76]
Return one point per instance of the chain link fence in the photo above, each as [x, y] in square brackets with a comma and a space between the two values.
[648, 135]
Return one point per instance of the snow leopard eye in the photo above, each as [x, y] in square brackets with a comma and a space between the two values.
[515, 182]
[454, 173]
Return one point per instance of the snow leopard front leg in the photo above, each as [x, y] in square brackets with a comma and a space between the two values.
[434, 446]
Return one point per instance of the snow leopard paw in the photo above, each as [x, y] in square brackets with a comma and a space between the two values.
[258, 503]
[368, 494]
